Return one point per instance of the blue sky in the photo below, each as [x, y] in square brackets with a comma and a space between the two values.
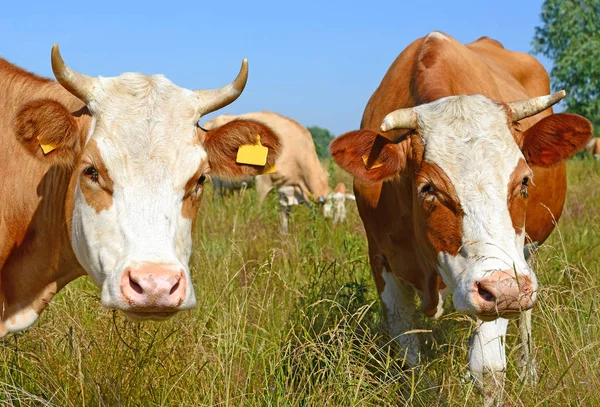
[315, 61]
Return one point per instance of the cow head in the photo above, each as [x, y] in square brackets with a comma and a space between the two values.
[469, 176]
[139, 176]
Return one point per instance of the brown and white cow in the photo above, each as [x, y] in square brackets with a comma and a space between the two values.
[299, 177]
[458, 158]
[104, 176]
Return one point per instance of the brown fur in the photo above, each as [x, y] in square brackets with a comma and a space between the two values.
[36, 258]
[48, 122]
[222, 144]
[97, 195]
[383, 156]
[555, 138]
[442, 216]
[517, 203]
[192, 196]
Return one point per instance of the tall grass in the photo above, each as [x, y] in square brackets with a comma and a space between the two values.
[294, 320]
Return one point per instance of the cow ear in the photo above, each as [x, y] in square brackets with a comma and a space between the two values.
[555, 138]
[48, 131]
[222, 145]
[366, 155]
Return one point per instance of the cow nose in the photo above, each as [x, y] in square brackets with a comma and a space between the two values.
[501, 292]
[154, 286]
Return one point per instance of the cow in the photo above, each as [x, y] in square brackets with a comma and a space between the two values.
[225, 187]
[299, 176]
[104, 176]
[458, 172]
[334, 206]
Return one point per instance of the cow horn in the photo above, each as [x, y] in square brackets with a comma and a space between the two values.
[400, 119]
[78, 84]
[214, 99]
[526, 108]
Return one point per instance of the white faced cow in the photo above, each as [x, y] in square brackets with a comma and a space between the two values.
[457, 160]
[104, 176]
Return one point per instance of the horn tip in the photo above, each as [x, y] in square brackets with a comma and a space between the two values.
[386, 124]
[561, 93]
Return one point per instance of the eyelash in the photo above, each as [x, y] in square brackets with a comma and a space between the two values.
[91, 173]
[200, 182]
[427, 191]
[524, 185]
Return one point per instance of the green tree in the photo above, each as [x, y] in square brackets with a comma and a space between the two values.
[322, 137]
[570, 37]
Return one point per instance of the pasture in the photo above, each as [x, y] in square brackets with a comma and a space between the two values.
[295, 321]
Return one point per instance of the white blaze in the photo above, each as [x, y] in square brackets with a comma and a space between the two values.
[469, 139]
[145, 131]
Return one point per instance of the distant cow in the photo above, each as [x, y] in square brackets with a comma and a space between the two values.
[458, 157]
[299, 178]
[224, 187]
[104, 176]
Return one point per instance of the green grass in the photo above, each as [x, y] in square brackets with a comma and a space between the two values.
[295, 321]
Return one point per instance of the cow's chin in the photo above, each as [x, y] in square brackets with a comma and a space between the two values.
[487, 317]
[140, 316]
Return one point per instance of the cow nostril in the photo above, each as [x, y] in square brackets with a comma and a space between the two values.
[175, 287]
[485, 294]
[135, 286]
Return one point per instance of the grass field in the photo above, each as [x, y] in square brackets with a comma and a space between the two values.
[295, 321]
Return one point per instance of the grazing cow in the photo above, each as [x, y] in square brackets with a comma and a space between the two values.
[457, 157]
[593, 147]
[299, 176]
[335, 205]
[224, 187]
[104, 176]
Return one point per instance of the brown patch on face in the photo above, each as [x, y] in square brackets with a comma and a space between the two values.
[193, 195]
[98, 194]
[438, 213]
[517, 201]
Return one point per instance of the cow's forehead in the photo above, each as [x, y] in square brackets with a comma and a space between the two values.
[145, 127]
[469, 138]
[134, 100]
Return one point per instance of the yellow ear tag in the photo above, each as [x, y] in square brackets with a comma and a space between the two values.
[372, 167]
[253, 154]
[47, 148]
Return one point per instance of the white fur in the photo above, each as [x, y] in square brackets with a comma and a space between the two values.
[468, 138]
[335, 206]
[398, 298]
[21, 320]
[145, 129]
[437, 35]
[487, 358]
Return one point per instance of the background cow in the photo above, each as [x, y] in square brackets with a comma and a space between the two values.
[104, 176]
[449, 192]
[299, 176]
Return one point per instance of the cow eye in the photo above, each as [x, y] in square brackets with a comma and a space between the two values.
[427, 191]
[200, 182]
[91, 173]
[524, 185]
